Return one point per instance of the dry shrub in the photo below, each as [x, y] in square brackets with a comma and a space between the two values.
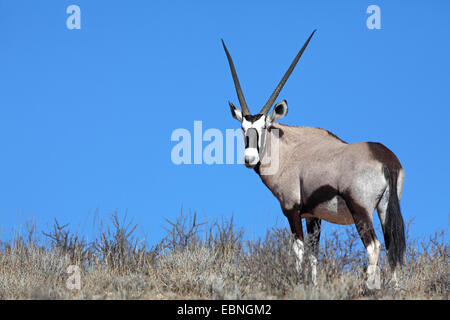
[209, 261]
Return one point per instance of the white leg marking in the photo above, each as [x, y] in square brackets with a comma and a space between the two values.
[313, 262]
[373, 250]
[373, 271]
[298, 250]
[394, 282]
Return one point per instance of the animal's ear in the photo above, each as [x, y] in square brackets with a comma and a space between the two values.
[278, 112]
[235, 112]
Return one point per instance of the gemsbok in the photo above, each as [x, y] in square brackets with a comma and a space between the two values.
[319, 176]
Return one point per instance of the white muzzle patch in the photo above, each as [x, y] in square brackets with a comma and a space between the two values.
[251, 157]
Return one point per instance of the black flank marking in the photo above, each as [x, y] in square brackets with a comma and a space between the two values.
[318, 196]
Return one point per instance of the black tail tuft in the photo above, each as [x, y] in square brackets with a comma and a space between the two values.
[394, 229]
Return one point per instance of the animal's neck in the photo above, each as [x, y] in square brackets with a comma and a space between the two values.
[285, 144]
[270, 157]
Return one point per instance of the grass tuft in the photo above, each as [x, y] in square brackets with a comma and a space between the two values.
[200, 260]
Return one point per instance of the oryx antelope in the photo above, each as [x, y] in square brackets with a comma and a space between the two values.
[320, 176]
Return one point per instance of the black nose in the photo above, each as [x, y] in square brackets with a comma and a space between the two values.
[249, 159]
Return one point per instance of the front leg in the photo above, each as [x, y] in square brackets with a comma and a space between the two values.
[295, 222]
[312, 240]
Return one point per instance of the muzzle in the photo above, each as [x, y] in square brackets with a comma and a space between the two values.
[251, 155]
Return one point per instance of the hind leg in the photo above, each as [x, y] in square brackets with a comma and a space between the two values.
[312, 240]
[364, 225]
[382, 209]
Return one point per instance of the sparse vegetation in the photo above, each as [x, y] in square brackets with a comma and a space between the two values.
[197, 260]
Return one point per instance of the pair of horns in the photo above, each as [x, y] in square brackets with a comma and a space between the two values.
[280, 85]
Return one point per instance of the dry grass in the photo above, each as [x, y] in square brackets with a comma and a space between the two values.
[207, 261]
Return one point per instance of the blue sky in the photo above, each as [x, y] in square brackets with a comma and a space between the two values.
[86, 115]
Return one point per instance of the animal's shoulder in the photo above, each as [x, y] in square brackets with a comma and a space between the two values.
[311, 132]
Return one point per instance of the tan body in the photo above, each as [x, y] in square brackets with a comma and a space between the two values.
[320, 177]
[315, 162]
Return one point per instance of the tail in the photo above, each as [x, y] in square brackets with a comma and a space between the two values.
[394, 228]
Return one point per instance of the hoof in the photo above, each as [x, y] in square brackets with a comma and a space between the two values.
[395, 285]
[373, 281]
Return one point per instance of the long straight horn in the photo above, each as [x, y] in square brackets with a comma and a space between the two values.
[245, 110]
[274, 95]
